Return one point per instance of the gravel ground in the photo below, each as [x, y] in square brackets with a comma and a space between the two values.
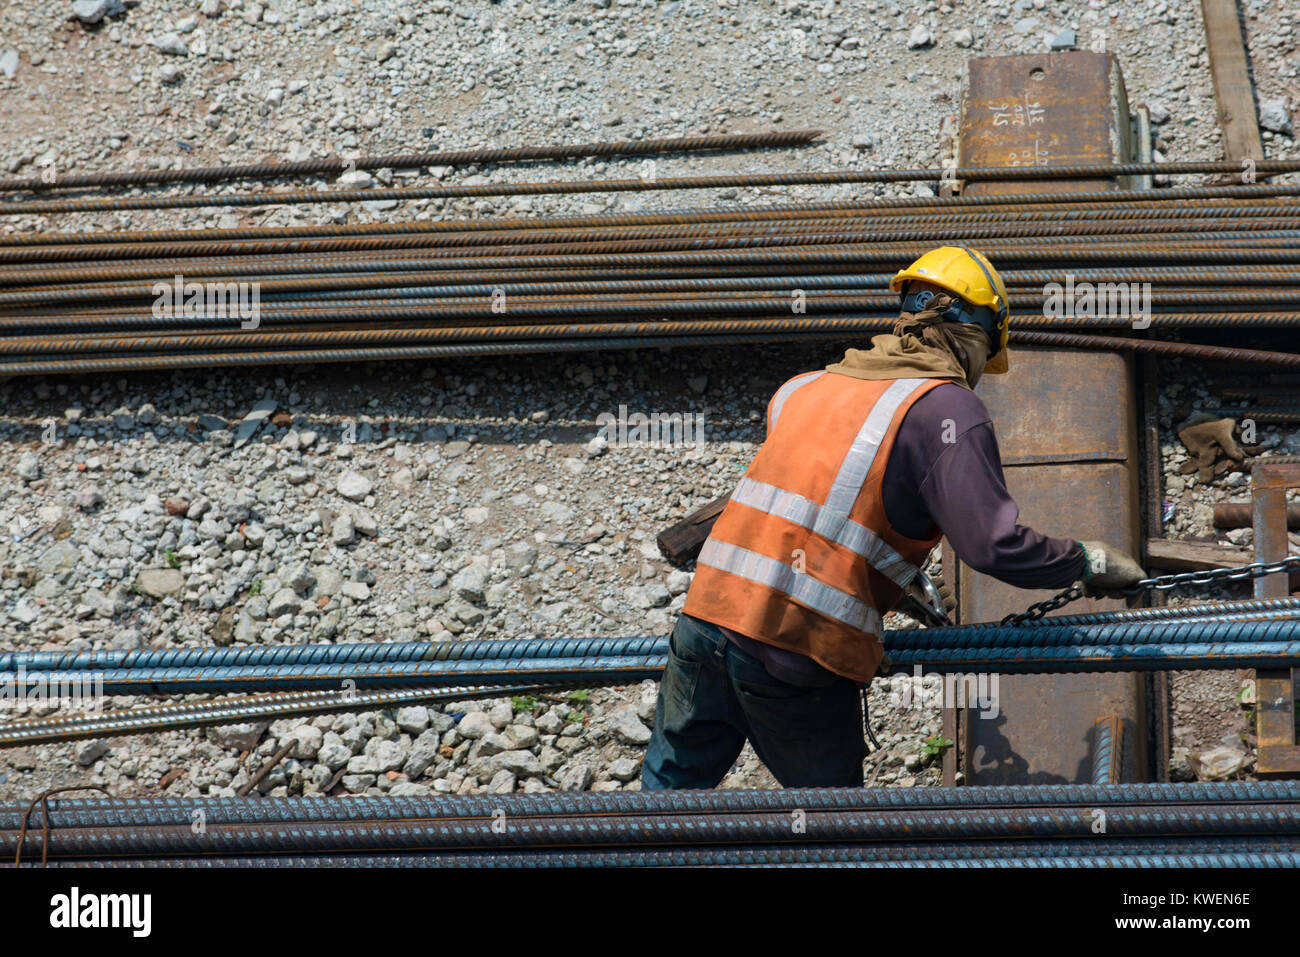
[413, 501]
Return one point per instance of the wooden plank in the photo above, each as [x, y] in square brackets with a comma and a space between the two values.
[1194, 556]
[682, 542]
[950, 754]
[1231, 71]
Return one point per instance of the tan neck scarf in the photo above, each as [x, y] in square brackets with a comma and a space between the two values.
[922, 346]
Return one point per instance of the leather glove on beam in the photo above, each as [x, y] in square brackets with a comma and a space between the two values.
[1204, 436]
[1107, 571]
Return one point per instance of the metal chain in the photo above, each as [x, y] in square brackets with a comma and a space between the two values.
[1253, 570]
[1040, 608]
[1162, 583]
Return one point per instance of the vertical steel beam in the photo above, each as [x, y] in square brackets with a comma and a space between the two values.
[1269, 484]
[1159, 738]
[1066, 422]
[1275, 690]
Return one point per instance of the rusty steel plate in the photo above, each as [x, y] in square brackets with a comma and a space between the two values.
[1040, 735]
[1061, 405]
[1066, 427]
[1066, 424]
[1065, 404]
[1269, 484]
[1275, 690]
[1065, 501]
[1049, 109]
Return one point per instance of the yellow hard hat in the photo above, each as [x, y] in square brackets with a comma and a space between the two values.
[970, 276]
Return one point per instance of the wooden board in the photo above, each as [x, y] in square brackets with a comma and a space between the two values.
[1179, 556]
[682, 542]
[1231, 71]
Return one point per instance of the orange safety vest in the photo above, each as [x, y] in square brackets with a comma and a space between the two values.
[803, 557]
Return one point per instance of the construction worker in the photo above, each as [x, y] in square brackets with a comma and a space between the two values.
[867, 464]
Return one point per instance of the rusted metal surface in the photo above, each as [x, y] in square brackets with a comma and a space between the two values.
[1241, 515]
[268, 767]
[1108, 750]
[1069, 416]
[1064, 190]
[515, 154]
[1185, 350]
[1159, 724]
[1044, 110]
[1269, 487]
[1079, 405]
[1275, 689]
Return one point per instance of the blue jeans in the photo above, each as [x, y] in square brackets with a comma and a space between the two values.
[713, 696]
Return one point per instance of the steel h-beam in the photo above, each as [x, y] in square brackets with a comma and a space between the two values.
[1066, 421]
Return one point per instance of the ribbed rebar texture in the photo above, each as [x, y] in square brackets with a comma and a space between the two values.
[744, 857]
[1216, 623]
[562, 187]
[1143, 268]
[94, 721]
[1153, 632]
[216, 174]
[998, 826]
[1248, 608]
[573, 830]
[372, 652]
[89, 812]
[1107, 750]
[813, 826]
[1161, 644]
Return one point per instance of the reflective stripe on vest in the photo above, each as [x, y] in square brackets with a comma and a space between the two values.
[831, 521]
[834, 526]
[783, 393]
[857, 462]
[800, 586]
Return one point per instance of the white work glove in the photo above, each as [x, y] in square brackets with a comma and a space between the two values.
[1107, 571]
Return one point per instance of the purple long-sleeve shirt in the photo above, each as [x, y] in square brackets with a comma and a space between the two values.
[945, 470]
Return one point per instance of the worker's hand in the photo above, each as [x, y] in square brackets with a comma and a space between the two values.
[1107, 571]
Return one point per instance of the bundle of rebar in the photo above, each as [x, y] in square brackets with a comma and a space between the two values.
[1118, 269]
[278, 680]
[1161, 644]
[1238, 823]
